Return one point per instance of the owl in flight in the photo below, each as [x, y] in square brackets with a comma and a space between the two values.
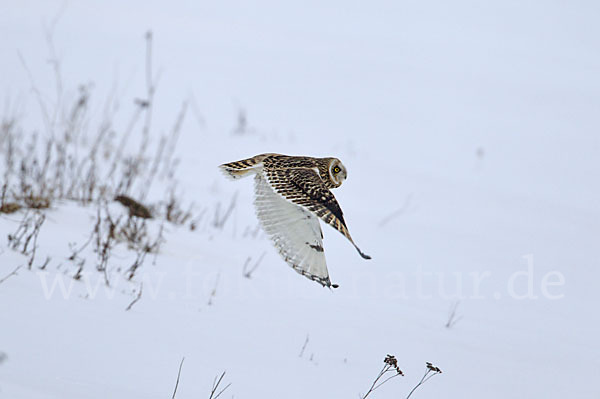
[291, 194]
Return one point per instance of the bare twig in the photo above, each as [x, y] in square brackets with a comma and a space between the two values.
[46, 262]
[75, 253]
[105, 240]
[397, 212]
[40, 218]
[216, 383]
[220, 220]
[173, 211]
[430, 371]
[13, 273]
[37, 92]
[173, 138]
[72, 161]
[304, 346]
[27, 233]
[53, 58]
[246, 271]
[137, 298]
[148, 102]
[390, 367]
[251, 231]
[213, 293]
[178, 375]
[452, 316]
[78, 274]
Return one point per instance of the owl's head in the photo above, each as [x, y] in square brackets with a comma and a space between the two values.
[337, 172]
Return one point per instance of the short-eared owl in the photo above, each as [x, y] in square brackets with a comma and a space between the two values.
[291, 194]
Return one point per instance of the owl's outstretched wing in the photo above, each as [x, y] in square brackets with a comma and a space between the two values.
[295, 232]
[304, 187]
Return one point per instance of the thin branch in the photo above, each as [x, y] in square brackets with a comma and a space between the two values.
[137, 298]
[430, 372]
[213, 293]
[246, 271]
[304, 346]
[397, 212]
[13, 273]
[390, 366]
[35, 233]
[384, 381]
[77, 251]
[178, 375]
[216, 383]
[418, 385]
[219, 221]
[452, 316]
[36, 91]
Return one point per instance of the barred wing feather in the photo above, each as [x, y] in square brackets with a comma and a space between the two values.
[304, 187]
[294, 230]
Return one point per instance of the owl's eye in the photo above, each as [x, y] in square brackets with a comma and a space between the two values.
[336, 169]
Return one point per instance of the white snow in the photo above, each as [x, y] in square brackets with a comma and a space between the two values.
[478, 120]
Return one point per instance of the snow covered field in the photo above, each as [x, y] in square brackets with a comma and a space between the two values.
[470, 131]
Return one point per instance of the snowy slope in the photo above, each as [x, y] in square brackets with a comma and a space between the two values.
[474, 124]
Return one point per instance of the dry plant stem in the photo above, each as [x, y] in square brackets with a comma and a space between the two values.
[304, 346]
[153, 170]
[139, 260]
[144, 247]
[76, 252]
[426, 377]
[175, 214]
[251, 232]
[376, 384]
[72, 159]
[165, 152]
[213, 293]
[53, 59]
[150, 90]
[3, 195]
[78, 274]
[45, 264]
[396, 213]
[390, 366]
[143, 105]
[216, 383]
[105, 240]
[119, 154]
[247, 272]
[37, 93]
[27, 233]
[137, 298]
[38, 220]
[172, 142]
[220, 220]
[36, 231]
[14, 239]
[13, 273]
[178, 375]
[452, 316]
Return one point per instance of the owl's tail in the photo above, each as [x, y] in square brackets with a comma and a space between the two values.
[243, 168]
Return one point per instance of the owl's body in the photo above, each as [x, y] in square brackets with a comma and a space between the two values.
[291, 194]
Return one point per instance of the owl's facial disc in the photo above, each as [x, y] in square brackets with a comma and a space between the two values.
[337, 171]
